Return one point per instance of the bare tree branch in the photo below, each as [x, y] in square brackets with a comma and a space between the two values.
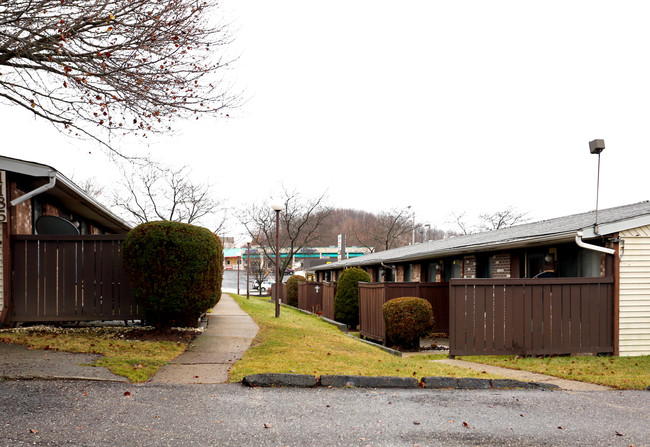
[103, 68]
[502, 219]
[299, 223]
[156, 192]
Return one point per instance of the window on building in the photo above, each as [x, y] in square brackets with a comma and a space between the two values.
[432, 270]
[452, 269]
[408, 273]
[484, 266]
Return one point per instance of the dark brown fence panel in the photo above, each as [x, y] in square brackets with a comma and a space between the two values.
[372, 297]
[70, 278]
[283, 292]
[531, 317]
[437, 294]
[329, 292]
[371, 320]
[310, 296]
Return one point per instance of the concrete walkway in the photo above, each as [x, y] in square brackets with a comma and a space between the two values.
[229, 333]
[564, 384]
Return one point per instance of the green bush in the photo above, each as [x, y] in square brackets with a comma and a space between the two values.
[407, 319]
[175, 271]
[292, 289]
[346, 301]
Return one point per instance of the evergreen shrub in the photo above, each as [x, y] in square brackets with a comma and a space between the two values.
[175, 271]
[407, 319]
[292, 289]
[346, 301]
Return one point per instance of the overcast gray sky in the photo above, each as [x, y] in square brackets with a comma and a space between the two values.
[445, 106]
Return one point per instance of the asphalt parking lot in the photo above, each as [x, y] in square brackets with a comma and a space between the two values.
[57, 413]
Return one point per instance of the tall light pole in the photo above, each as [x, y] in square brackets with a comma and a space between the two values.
[248, 269]
[413, 228]
[277, 208]
[596, 147]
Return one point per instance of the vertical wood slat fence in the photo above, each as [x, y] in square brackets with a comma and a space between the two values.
[70, 278]
[310, 296]
[531, 317]
[372, 297]
[329, 292]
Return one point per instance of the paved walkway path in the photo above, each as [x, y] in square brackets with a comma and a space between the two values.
[571, 385]
[229, 334]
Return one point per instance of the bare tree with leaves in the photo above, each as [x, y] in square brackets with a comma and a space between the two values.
[156, 192]
[99, 68]
[300, 220]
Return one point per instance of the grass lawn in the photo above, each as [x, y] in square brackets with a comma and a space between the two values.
[134, 353]
[304, 344]
[615, 372]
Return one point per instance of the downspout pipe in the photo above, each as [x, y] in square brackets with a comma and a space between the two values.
[582, 244]
[37, 191]
[393, 268]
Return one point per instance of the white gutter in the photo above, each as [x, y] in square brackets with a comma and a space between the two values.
[608, 251]
[36, 191]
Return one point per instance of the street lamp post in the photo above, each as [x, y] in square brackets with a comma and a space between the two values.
[277, 208]
[248, 268]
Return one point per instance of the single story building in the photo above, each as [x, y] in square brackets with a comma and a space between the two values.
[612, 243]
[232, 258]
[36, 199]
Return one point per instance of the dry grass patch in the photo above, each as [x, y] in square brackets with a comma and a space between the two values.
[134, 353]
[304, 344]
[615, 372]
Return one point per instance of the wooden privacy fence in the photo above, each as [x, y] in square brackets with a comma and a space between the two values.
[310, 296]
[70, 278]
[372, 297]
[329, 292]
[531, 316]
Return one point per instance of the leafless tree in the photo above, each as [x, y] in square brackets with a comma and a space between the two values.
[153, 191]
[502, 218]
[91, 187]
[258, 272]
[300, 220]
[382, 231]
[99, 68]
[460, 220]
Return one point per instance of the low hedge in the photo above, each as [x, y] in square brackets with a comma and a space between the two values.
[175, 271]
[407, 319]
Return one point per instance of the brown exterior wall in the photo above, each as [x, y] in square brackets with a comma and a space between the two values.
[400, 274]
[416, 273]
[501, 267]
[21, 214]
[51, 210]
[469, 267]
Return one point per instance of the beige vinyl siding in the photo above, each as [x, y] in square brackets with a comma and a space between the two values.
[634, 307]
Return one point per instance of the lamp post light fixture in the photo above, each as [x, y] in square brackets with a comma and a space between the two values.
[277, 207]
[413, 225]
[596, 147]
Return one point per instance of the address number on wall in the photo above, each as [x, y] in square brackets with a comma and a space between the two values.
[3, 198]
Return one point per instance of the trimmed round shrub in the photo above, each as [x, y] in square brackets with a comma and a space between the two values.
[175, 271]
[346, 301]
[292, 289]
[407, 319]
